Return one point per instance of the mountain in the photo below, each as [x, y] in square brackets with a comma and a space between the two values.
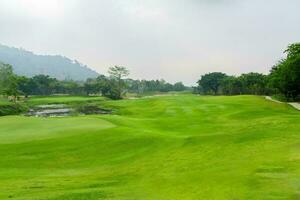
[28, 64]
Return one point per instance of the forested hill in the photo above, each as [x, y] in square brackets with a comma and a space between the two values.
[28, 64]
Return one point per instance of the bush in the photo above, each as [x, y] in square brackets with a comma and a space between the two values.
[12, 109]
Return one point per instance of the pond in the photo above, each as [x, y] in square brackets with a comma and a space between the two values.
[62, 110]
[53, 110]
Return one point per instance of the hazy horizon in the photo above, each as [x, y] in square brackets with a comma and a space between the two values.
[176, 40]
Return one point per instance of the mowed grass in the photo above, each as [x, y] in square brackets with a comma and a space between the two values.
[158, 148]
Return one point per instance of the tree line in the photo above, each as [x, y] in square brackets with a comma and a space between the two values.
[146, 86]
[283, 79]
[114, 86]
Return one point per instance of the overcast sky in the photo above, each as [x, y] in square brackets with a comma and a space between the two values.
[177, 40]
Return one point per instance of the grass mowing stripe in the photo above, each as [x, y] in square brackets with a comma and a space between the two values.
[163, 147]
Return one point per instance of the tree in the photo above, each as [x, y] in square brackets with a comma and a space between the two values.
[43, 85]
[231, 85]
[293, 50]
[253, 83]
[142, 86]
[91, 86]
[118, 73]
[24, 86]
[211, 82]
[70, 87]
[178, 86]
[8, 81]
[285, 76]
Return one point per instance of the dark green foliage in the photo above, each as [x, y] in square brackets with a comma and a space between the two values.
[24, 85]
[145, 86]
[91, 86]
[113, 87]
[70, 87]
[284, 79]
[179, 86]
[253, 83]
[293, 50]
[8, 81]
[232, 85]
[285, 76]
[219, 83]
[108, 87]
[12, 109]
[211, 82]
[43, 85]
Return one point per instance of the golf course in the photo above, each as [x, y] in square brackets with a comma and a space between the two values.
[149, 100]
[170, 147]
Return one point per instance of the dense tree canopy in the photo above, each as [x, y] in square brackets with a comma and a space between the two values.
[293, 50]
[211, 82]
[220, 83]
[284, 79]
[8, 81]
[145, 86]
[253, 83]
[285, 76]
[114, 86]
[232, 85]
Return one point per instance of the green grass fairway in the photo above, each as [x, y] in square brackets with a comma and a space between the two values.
[173, 147]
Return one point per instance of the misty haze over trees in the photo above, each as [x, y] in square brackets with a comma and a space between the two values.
[26, 63]
[46, 75]
[284, 79]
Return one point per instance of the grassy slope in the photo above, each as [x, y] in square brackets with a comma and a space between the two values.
[172, 147]
[10, 108]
